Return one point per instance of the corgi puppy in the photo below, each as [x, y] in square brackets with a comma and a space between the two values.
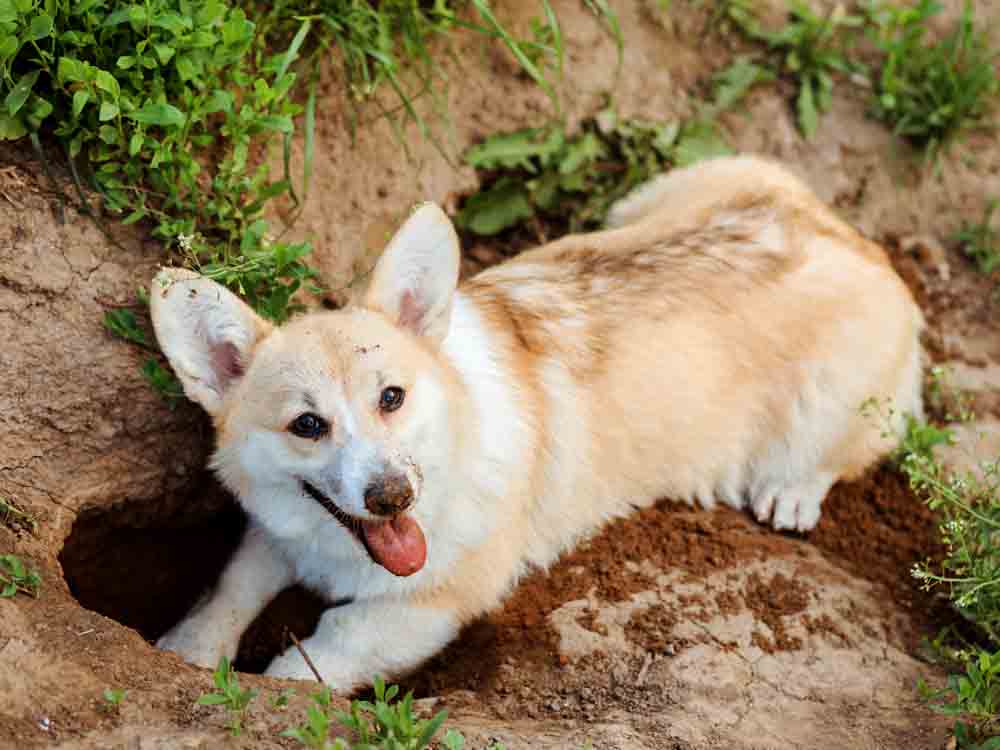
[418, 451]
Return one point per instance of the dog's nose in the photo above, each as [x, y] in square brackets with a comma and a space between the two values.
[389, 495]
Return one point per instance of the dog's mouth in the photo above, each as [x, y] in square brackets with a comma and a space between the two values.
[397, 544]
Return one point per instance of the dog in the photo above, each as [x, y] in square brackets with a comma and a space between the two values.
[419, 450]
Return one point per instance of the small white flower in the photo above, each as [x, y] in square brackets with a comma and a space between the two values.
[185, 241]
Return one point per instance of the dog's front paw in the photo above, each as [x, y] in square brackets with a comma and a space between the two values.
[195, 645]
[291, 666]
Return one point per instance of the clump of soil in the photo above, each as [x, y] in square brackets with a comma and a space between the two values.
[876, 529]
[771, 601]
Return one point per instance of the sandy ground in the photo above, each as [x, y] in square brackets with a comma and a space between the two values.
[676, 629]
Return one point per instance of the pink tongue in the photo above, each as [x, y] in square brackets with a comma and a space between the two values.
[397, 545]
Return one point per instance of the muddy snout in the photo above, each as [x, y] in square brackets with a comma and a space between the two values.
[389, 495]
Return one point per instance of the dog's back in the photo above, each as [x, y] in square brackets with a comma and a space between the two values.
[717, 342]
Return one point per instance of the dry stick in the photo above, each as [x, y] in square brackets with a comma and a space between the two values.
[305, 656]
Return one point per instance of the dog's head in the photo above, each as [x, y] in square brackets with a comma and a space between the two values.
[335, 420]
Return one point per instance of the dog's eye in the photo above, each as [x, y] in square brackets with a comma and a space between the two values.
[308, 425]
[392, 398]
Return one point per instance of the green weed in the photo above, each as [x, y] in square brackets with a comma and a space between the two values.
[163, 102]
[930, 90]
[229, 695]
[386, 723]
[968, 508]
[810, 48]
[545, 173]
[113, 699]
[14, 517]
[981, 242]
[973, 693]
[16, 577]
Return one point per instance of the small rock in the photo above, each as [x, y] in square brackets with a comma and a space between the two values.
[929, 252]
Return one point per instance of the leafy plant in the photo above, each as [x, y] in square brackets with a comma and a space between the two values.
[163, 101]
[968, 508]
[543, 172]
[113, 698]
[981, 242]
[973, 693]
[386, 723]
[930, 90]
[228, 694]
[810, 48]
[16, 577]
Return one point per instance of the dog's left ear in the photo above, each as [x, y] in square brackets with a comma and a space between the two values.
[415, 279]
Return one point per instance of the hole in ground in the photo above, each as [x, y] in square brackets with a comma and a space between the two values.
[145, 565]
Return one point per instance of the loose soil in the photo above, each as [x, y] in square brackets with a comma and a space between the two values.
[676, 628]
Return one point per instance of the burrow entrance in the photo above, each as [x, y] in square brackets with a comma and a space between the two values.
[146, 565]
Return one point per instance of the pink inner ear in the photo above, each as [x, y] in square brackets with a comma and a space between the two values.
[411, 312]
[226, 363]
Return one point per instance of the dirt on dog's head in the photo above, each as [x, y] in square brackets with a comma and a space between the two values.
[334, 421]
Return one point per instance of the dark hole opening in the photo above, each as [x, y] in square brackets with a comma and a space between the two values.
[145, 566]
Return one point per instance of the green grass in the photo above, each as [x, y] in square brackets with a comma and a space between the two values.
[980, 241]
[931, 90]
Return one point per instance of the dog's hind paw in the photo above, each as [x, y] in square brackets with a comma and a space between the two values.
[796, 506]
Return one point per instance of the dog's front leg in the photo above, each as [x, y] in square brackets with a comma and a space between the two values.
[355, 642]
[257, 572]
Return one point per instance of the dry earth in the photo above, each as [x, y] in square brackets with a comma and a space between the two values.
[677, 629]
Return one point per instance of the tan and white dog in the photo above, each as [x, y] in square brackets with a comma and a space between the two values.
[418, 451]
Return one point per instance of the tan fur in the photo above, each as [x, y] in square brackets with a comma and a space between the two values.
[715, 343]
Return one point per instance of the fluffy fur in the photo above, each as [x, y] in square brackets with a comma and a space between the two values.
[714, 344]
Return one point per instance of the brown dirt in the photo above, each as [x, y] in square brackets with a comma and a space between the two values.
[674, 629]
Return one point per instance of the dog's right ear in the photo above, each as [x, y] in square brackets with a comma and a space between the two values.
[206, 331]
